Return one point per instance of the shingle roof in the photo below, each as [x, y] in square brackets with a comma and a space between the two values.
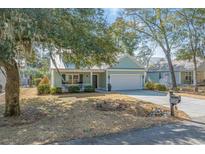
[62, 65]
[179, 65]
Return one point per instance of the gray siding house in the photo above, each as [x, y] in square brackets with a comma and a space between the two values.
[126, 74]
[184, 72]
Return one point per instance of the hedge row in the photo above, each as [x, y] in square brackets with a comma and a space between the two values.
[46, 89]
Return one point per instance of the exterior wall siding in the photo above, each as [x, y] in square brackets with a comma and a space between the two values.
[126, 62]
[177, 76]
[163, 77]
[56, 80]
[102, 80]
[125, 72]
[153, 76]
[201, 77]
[86, 78]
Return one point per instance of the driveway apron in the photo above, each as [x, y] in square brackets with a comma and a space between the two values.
[195, 108]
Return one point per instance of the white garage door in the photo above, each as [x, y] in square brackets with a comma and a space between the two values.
[126, 81]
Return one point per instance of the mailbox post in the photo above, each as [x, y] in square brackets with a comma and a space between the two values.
[173, 100]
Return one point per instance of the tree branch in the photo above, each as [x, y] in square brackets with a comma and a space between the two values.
[56, 67]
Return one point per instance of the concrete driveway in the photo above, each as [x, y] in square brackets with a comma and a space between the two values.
[195, 108]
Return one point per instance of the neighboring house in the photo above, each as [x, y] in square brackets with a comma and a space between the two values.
[127, 74]
[24, 80]
[2, 81]
[184, 72]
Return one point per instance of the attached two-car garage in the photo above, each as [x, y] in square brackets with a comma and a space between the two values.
[126, 81]
[127, 74]
[121, 79]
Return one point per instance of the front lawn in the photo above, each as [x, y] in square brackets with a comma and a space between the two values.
[46, 119]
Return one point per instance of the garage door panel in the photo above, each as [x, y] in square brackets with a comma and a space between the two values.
[126, 82]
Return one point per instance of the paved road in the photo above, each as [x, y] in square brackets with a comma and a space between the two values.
[179, 133]
[195, 108]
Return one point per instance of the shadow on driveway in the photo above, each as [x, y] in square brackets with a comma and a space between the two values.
[178, 133]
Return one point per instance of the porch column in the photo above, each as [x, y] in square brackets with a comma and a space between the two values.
[52, 78]
[180, 78]
[194, 80]
[204, 76]
[91, 78]
[106, 80]
[145, 77]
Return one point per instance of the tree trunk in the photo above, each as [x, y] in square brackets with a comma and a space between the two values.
[195, 74]
[146, 71]
[171, 69]
[145, 76]
[12, 89]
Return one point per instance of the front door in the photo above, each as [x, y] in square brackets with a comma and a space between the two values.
[95, 81]
[81, 78]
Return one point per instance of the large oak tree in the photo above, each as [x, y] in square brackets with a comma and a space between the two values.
[78, 35]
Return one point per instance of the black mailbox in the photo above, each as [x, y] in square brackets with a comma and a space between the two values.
[173, 100]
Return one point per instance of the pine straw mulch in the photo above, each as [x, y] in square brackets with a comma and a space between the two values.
[47, 119]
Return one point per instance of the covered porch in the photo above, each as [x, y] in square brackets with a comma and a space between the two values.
[81, 78]
[188, 78]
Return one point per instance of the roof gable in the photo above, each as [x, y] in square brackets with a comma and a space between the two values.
[127, 62]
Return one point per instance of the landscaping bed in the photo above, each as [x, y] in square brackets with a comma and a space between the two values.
[47, 119]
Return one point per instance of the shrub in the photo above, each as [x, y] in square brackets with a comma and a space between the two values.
[45, 80]
[178, 89]
[149, 85]
[89, 89]
[74, 89]
[56, 90]
[37, 81]
[160, 87]
[43, 89]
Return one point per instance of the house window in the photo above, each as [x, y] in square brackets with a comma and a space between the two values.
[63, 79]
[75, 79]
[70, 79]
[160, 75]
[188, 77]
